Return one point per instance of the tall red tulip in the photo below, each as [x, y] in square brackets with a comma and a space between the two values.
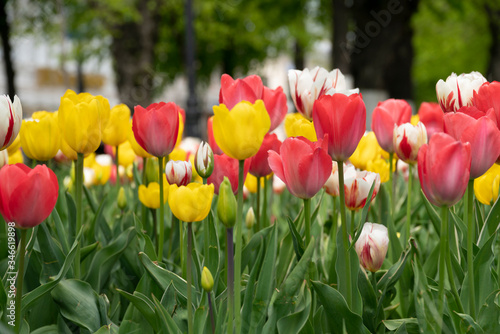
[431, 115]
[387, 114]
[226, 166]
[303, 165]
[443, 169]
[259, 166]
[276, 105]
[483, 136]
[487, 97]
[343, 119]
[27, 196]
[156, 128]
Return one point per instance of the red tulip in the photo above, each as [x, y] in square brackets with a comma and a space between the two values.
[156, 127]
[387, 114]
[226, 166]
[276, 105]
[483, 136]
[487, 97]
[431, 115]
[259, 166]
[27, 196]
[343, 119]
[234, 91]
[443, 169]
[304, 166]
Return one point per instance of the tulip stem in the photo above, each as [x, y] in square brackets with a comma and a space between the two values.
[144, 213]
[442, 261]
[20, 279]
[408, 202]
[353, 227]
[264, 205]
[230, 279]
[373, 275]
[345, 289]
[181, 247]
[451, 278]
[211, 312]
[79, 209]
[470, 248]
[307, 219]
[206, 235]
[118, 183]
[174, 222]
[257, 207]
[161, 221]
[391, 180]
[189, 278]
[237, 256]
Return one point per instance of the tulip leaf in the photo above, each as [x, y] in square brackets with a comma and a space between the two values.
[246, 312]
[144, 240]
[285, 257]
[144, 305]
[336, 310]
[200, 318]
[294, 322]
[489, 314]
[491, 223]
[391, 277]
[250, 249]
[51, 329]
[394, 324]
[71, 218]
[87, 250]
[111, 329]
[167, 324]
[433, 215]
[106, 258]
[60, 231]
[298, 245]
[78, 302]
[371, 314]
[470, 325]
[51, 253]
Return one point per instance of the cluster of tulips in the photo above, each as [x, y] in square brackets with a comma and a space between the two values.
[453, 145]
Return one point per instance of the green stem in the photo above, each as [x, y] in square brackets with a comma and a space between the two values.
[20, 280]
[230, 279]
[374, 282]
[408, 202]
[391, 192]
[264, 206]
[211, 312]
[189, 278]
[79, 209]
[307, 219]
[118, 183]
[237, 256]
[352, 225]
[174, 222]
[181, 247]
[144, 212]
[206, 235]
[442, 262]
[470, 249]
[347, 289]
[161, 221]
[257, 207]
[335, 223]
[451, 278]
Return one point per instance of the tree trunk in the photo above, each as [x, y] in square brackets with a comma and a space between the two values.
[298, 55]
[133, 51]
[7, 57]
[340, 55]
[494, 25]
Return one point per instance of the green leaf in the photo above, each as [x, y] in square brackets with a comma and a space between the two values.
[62, 237]
[298, 245]
[294, 322]
[470, 325]
[394, 324]
[250, 249]
[337, 311]
[246, 313]
[51, 329]
[491, 223]
[71, 206]
[144, 305]
[433, 215]
[489, 314]
[87, 250]
[51, 253]
[364, 213]
[167, 323]
[371, 314]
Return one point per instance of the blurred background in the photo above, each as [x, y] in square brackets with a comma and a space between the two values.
[143, 51]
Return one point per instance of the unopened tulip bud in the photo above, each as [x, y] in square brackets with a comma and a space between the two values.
[122, 199]
[250, 218]
[207, 281]
[226, 206]
[204, 160]
[372, 246]
[179, 172]
[407, 139]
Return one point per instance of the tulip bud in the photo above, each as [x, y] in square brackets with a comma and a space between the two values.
[204, 160]
[122, 199]
[226, 206]
[250, 218]
[11, 116]
[207, 281]
[372, 246]
[407, 139]
[179, 172]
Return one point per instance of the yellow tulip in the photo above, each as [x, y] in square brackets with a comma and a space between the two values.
[126, 155]
[40, 138]
[102, 168]
[81, 120]
[251, 182]
[135, 146]
[297, 125]
[191, 203]
[486, 186]
[368, 149]
[181, 130]
[16, 157]
[415, 119]
[381, 167]
[240, 132]
[178, 154]
[89, 160]
[150, 195]
[115, 132]
[15, 146]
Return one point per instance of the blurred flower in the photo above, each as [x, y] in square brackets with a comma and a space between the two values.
[297, 125]
[488, 97]
[278, 185]
[457, 91]
[309, 85]
[179, 172]
[121, 199]
[116, 131]
[431, 115]
[444, 169]
[303, 165]
[102, 168]
[204, 160]
[89, 178]
[343, 119]
[182, 121]
[414, 119]
[27, 196]
[126, 154]
[81, 119]
[381, 167]
[190, 203]
[226, 204]
[387, 114]
[226, 166]
[407, 141]
[40, 138]
[240, 132]
[357, 187]
[372, 245]
[15, 146]
[134, 144]
[207, 281]
[332, 184]
[150, 195]
[486, 186]
[259, 166]
[250, 218]
[4, 158]
[16, 157]
[368, 150]
[11, 115]
[211, 139]
[251, 183]
[156, 127]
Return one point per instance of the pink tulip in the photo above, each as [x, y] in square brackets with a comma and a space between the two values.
[259, 166]
[488, 97]
[372, 245]
[179, 172]
[483, 136]
[387, 114]
[357, 186]
[443, 169]
[226, 166]
[156, 127]
[343, 119]
[408, 139]
[303, 165]
[431, 115]
[276, 105]
[457, 91]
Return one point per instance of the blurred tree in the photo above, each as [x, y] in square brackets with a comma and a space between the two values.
[6, 48]
[492, 9]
